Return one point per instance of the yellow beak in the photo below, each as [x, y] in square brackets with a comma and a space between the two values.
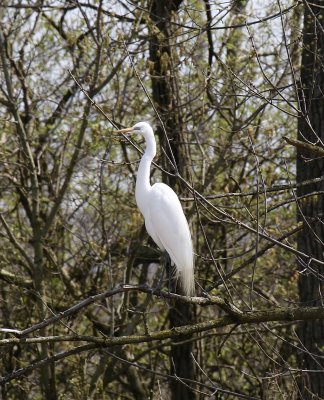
[126, 130]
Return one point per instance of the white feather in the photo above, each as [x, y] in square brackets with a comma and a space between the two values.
[167, 225]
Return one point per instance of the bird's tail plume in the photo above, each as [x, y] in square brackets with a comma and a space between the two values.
[187, 278]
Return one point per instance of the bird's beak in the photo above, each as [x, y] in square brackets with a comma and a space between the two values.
[126, 130]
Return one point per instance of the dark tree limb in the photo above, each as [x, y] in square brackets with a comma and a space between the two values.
[308, 147]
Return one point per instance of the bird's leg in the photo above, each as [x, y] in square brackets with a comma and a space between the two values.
[166, 266]
[160, 283]
[170, 271]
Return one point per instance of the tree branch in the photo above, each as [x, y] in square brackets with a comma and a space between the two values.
[203, 301]
[15, 243]
[282, 314]
[311, 148]
[234, 316]
[15, 279]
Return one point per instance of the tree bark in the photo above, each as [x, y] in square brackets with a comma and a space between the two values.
[310, 211]
[165, 97]
[165, 89]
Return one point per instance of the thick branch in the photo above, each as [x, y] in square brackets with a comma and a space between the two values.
[282, 314]
[310, 148]
[234, 316]
[203, 301]
[253, 317]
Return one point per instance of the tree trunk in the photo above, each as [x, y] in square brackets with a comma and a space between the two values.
[165, 96]
[310, 209]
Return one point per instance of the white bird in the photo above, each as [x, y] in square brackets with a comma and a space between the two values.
[165, 221]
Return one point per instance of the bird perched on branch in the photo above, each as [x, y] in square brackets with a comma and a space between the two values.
[165, 221]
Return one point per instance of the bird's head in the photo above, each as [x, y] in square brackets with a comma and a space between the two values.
[141, 128]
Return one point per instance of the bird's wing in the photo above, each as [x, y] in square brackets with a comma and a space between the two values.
[167, 224]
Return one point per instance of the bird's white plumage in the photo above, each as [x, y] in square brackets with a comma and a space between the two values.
[164, 218]
[173, 234]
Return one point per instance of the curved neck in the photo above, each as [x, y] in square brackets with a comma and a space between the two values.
[143, 184]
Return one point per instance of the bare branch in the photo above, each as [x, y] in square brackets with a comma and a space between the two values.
[311, 148]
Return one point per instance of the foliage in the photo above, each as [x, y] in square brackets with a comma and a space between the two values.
[70, 228]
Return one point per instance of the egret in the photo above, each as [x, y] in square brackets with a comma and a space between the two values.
[164, 219]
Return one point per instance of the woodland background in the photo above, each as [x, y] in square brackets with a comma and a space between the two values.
[234, 90]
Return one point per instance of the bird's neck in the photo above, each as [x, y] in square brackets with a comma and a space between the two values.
[143, 184]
